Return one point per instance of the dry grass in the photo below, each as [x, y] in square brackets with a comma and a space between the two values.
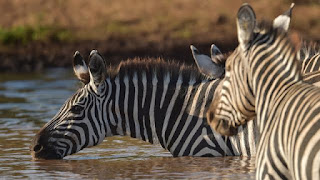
[128, 28]
[152, 20]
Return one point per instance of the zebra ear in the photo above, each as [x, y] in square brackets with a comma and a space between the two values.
[283, 20]
[214, 51]
[80, 68]
[246, 22]
[216, 56]
[206, 65]
[97, 68]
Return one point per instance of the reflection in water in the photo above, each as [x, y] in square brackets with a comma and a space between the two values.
[27, 102]
[157, 167]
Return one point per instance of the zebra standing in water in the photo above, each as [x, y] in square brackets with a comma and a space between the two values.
[263, 80]
[151, 100]
[51, 141]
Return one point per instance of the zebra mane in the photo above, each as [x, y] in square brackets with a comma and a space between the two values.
[308, 49]
[158, 66]
[264, 26]
[304, 49]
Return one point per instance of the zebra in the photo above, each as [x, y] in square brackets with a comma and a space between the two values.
[149, 99]
[263, 80]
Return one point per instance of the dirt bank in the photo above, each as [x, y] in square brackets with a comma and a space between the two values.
[38, 56]
[37, 34]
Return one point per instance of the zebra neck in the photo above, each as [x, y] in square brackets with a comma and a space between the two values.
[154, 108]
[274, 70]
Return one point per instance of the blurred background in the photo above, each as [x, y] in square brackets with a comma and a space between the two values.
[36, 34]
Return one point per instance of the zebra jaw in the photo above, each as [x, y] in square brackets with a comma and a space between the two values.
[224, 127]
[221, 126]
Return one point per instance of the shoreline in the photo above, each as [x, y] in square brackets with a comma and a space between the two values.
[38, 56]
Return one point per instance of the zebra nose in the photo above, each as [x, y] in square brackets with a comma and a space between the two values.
[37, 148]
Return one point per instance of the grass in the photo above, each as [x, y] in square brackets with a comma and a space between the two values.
[151, 20]
[117, 28]
[26, 34]
[127, 28]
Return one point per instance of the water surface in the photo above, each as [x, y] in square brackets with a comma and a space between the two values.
[28, 101]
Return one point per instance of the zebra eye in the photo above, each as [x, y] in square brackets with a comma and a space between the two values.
[76, 109]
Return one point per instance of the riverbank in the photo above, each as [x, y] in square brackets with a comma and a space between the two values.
[39, 34]
[36, 57]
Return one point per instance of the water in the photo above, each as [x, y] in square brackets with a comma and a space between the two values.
[28, 101]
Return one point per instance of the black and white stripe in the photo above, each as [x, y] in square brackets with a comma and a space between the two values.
[263, 80]
[149, 99]
[312, 78]
[309, 56]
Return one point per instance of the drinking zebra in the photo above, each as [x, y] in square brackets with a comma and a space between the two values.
[116, 115]
[263, 80]
[152, 100]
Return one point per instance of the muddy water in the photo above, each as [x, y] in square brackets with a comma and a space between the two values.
[28, 101]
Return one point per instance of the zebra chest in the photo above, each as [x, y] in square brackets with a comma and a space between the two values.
[273, 155]
[271, 158]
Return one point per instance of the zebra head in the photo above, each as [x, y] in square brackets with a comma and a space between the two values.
[78, 124]
[214, 67]
[234, 103]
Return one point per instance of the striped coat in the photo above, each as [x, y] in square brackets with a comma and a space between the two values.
[152, 100]
[263, 80]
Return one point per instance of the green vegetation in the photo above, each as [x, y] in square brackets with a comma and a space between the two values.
[25, 34]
